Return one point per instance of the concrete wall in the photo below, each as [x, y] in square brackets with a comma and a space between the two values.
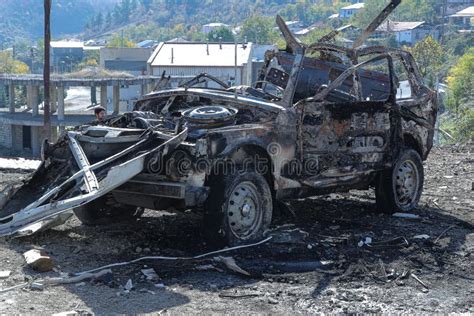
[11, 136]
[125, 59]
[416, 35]
[17, 136]
[5, 135]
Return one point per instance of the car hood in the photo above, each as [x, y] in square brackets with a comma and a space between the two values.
[225, 97]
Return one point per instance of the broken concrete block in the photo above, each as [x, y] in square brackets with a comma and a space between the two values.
[128, 286]
[38, 260]
[4, 274]
[150, 274]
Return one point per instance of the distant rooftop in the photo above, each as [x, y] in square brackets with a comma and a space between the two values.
[215, 24]
[177, 40]
[393, 26]
[468, 12]
[146, 43]
[307, 29]
[346, 27]
[354, 6]
[67, 44]
[195, 54]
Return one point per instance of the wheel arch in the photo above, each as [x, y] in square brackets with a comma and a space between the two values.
[238, 151]
[413, 142]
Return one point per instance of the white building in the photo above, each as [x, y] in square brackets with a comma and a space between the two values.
[349, 11]
[408, 32]
[183, 61]
[463, 17]
[206, 28]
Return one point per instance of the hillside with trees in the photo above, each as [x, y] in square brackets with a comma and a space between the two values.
[126, 22]
[23, 19]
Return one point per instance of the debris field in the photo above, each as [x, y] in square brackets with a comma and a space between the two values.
[331, 253]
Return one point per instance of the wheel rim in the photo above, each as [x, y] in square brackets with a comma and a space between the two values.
[406, 183]
[244, 212]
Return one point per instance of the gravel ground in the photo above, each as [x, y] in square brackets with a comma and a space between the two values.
[313, 263]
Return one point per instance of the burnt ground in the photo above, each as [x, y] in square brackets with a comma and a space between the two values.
[322, 271]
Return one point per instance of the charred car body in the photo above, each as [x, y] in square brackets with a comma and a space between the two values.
[321, 118]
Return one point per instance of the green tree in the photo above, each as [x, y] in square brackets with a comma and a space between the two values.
[408, 10]
[119, 41]
[315, 35]
[459, 43]
[429, 56]
[259, 30]
[10, 65]
[99, 20]
[126, 9]
[108, 19]
[461, 81]
[221, 33]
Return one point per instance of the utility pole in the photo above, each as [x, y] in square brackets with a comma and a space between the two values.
[444, 9]
[46, 70]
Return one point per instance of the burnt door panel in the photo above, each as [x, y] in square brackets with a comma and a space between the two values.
[343, 139]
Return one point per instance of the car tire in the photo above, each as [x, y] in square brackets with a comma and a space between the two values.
[399, 188]
[105, 210]
[238, 209]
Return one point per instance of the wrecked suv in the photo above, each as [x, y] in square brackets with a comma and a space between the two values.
[320, 119]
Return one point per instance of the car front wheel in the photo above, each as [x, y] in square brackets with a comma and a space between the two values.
[239, 209]
[399, 189]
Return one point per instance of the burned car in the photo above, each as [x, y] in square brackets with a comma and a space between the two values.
[320, 119]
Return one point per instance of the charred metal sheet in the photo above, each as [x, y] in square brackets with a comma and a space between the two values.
[293, 44]
[112, 172]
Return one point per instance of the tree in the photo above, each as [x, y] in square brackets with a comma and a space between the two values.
[461, 81]
[126, 8]
[220, 34]
[371, 9]
[408, 10]
[108, 19]
[99, 20]
[119, 41]
[460, 120]
[259, 30]
[315, 35]
[429, 56]
[10, 65]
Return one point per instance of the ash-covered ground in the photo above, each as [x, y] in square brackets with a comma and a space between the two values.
[313, 263]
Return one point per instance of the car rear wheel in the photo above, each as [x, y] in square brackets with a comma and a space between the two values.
[399, 189]
[106, 210]
[239, 209]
